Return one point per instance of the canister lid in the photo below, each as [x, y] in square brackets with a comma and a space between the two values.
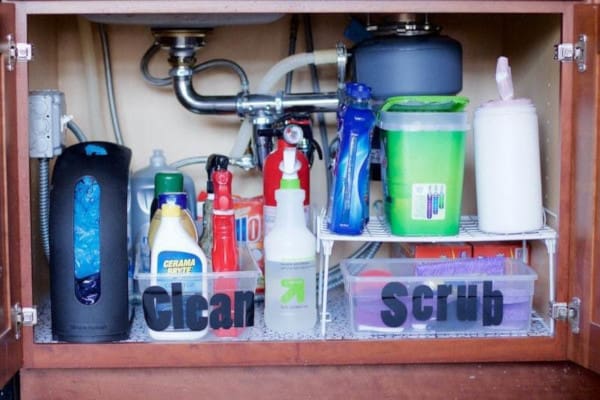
[424, 113]
[510, 106]
[423, 121]
[425, 103]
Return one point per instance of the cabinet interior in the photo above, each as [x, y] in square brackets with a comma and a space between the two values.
[68, 57]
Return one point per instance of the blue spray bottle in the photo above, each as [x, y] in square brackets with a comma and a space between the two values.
[348, 210]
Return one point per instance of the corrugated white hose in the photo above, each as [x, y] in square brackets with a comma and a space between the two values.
[274, 75]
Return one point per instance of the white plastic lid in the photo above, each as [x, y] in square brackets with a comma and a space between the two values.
[512, 106]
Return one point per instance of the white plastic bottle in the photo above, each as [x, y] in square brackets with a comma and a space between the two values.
[290, 253]
[175, 255]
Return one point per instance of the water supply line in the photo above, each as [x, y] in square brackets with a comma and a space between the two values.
[316, 87]
[245, 162]
[291, 50]
[110, 91]
[168, 81]
[91, 73]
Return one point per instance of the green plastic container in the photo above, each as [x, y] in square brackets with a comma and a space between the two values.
[422, 170]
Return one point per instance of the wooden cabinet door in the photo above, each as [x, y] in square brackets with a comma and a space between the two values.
[584, 275]
[10, 348]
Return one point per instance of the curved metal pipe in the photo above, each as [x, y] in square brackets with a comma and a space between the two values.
[198, 104]
[247, 104]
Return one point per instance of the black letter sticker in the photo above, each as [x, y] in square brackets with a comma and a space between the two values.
[396, 315]
[492, 305]
[195, 308]
[422, 313]
[156, 312]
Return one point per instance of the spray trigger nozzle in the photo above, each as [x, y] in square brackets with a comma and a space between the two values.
[214, 162]
[289, 168]
[289, 165]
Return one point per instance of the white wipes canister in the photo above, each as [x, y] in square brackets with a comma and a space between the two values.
[507, 167]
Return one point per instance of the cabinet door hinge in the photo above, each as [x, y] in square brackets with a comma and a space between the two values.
[23, 316]
[15, 52]
[567, 312]
[572, 52]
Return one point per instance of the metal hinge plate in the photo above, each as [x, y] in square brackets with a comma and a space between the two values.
[23, 316]
[567, 312]
[572, 52]
[15, 52]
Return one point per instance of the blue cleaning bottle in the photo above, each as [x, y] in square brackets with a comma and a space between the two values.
[348, 210]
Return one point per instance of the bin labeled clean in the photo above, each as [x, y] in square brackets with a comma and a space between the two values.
[181, 307]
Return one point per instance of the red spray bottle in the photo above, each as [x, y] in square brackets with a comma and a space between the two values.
[224, 247]
[292, 134]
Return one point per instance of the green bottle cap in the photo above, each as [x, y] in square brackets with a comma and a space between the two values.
[168, 182]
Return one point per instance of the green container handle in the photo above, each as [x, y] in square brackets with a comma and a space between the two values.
[425, 104]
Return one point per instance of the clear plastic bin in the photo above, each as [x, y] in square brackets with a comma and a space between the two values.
[211, 306]
[409, 296]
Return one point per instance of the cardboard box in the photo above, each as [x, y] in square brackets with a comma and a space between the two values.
[432, 250]
[502, 249]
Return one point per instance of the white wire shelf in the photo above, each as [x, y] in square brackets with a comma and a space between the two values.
[377, 230]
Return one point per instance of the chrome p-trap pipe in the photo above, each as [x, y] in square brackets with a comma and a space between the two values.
[247, 104]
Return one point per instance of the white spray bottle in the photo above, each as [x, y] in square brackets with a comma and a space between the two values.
[290, 253]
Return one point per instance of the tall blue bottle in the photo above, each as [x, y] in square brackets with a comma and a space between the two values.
[349, 201]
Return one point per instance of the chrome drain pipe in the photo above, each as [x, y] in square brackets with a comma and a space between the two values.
[247, 104]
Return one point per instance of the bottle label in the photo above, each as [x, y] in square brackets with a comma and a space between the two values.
[292, 284]
[178, 262]
[428, 201]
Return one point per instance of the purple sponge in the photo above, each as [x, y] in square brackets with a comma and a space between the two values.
[462, 266]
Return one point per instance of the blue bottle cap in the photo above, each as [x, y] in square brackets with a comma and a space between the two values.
[358, 90]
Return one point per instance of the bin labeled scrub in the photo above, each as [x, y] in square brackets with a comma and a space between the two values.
[423, 163]
[416, 297]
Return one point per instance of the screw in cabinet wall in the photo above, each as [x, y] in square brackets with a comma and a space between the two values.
[11, 390]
